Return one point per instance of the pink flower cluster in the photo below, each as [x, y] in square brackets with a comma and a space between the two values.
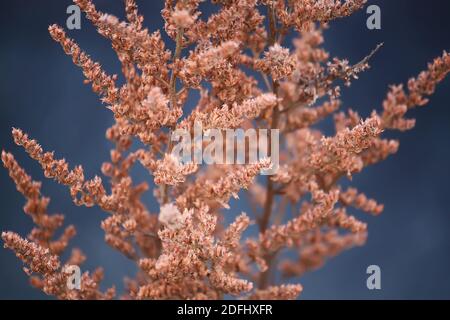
[246, 75]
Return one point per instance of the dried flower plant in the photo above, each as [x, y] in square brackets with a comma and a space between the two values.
[247, 76]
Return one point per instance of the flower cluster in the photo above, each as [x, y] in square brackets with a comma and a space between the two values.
[246, 75]
[40, 253]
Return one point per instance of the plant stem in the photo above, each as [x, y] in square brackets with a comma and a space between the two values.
[173, 102]
[270, 193]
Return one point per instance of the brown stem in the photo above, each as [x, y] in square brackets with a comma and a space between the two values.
[264, 277]
[173, 102]
[270, 191]
[270, 194]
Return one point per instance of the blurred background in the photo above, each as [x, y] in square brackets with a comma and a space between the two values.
[41, 92]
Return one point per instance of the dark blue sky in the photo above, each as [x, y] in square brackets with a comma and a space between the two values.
[41, 91]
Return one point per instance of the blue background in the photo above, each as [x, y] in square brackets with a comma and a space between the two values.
[41, 91]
